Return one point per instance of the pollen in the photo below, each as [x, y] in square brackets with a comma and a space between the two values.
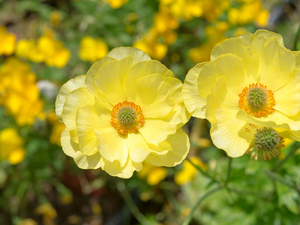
[266, 144]
[127, 117]
[257, 100]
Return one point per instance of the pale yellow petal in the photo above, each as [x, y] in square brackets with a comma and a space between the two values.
[142, 69]
[126, 171]
[247, 38]
[288, 97]
[297, 58]
[180, 148]
[75, 100]
[155, 131]
[276, 63]
[268, 34]
[113, 146]
[225, 133]
[71, 149]
[194, 102]
[236, 46]
[86, 121]
[71, 85]
[122, 52]
[93, 73]
[111, 77]
[138, 148]
[153, 96]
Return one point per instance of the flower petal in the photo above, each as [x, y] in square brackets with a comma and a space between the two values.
[194, 102]
[111, 77]
[276, 63]
[126, 171]
[113, 146]
[122, 52]
[269, 34]
[180, 148]
[71, 85]
[138, 148]
[225, 133]
[71, 148]
[86, 121]
[75, 100]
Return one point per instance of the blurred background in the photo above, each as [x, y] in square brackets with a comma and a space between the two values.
[44, 43]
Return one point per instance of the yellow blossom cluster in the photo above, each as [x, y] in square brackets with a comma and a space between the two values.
[11, 146]
[115, 4]
[92, 49]
[7, 42]
[19, 93]
[48, 50]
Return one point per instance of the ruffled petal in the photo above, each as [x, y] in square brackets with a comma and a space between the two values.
[268, 34]
[71, 85]
[194, 102]
[113, 146]
[142, 69]
[138, 148]
[111, 77]
[180, 147]
[126, 171]
[75, 100]
[288, 97]
[92, 74]
[276, 63]
[122, 52]
[86, 121]
[153, 96]
[71, 148]
[225, 133]
[247, 38]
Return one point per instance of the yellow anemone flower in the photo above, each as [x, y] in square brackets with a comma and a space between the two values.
[252, 80]
[127, 109]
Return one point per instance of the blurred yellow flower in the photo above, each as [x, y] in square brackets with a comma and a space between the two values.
[7, 42]
[19, 92]
[153, 174]
[262, 18]
[11, 146]
[119, 121]
[115, 4]
[92, 49]
[24, 47]
[57, 128]
[189, 172]
[55, 18]
[46, 210]
[28, 222]
[252, 80]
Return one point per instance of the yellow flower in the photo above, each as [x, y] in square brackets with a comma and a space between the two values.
[19, 92]
[46, 210]
[7, 42]
[57, 129]
[92, 49]
[24, 47]
[153, 174]
[28, 222]
[54, 52]
[56, 18]
[189, 171]
[127, 109]
[11, 146]
[115, 4]
[252, 80]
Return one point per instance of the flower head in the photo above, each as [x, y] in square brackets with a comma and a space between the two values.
[252, 80]
[127, 110]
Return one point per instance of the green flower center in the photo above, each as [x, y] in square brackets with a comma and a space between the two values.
[266, 139]
[126, 116]
[257, 98]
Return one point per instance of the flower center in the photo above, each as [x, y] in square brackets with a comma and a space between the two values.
[127, 117]
[266, 144]
[256, 100]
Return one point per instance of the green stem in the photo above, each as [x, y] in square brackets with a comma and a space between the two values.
[195, 207]
[294, 147]
[228, 172]
[281, 180]
[296, 39]
[132, 206]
